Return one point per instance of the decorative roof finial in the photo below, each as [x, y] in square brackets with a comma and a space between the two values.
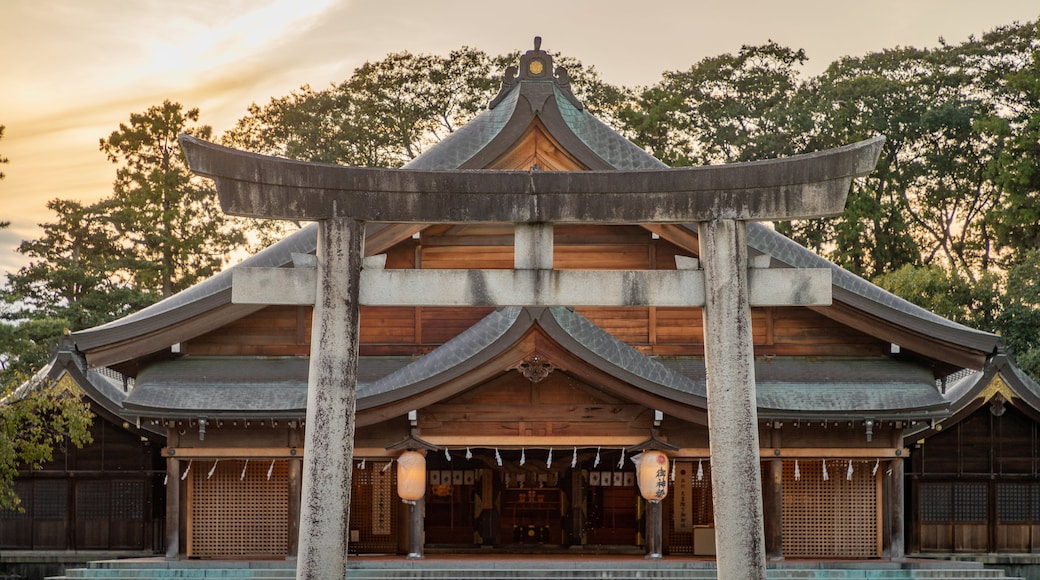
[538, 43]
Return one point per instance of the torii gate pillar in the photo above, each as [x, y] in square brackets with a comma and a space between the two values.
[331, 400]
[736, 482]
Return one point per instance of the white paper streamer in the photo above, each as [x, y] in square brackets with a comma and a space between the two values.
[498, 457]
[446, 454]
[673, 470]
[186, 470]
[797, 472]
[826, 476]
[848, 474]
[469, 454]
[877, 463]
[548, 461]
[270, 470]
[574, 458]
[523, 456]
[362, 465]
[596, 463]
[387, 466]
[243, 476]
[166, 479]
[621, 462]
[212, 469]
[700, 470]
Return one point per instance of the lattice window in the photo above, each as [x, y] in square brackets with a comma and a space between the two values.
[832, 518]
[373, 508]
[128, 500]
[92, 500]
[1014, 502]
[235, 515]
[697, 505]
[969, 502]
[24, 491]
[936, 502]
[49, 500]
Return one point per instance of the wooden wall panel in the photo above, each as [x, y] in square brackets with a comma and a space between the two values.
[513, 405]
[602, 257]
[388, 325]
[629, 324]
[441, 324]
[467, 257]
[273, 331]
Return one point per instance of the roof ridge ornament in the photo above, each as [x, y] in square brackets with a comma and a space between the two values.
[537, 66]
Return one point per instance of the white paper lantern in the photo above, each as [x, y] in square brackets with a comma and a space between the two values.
[652, 470]
[411, 476]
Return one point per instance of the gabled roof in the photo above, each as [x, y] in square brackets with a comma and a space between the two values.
[544, 97]
[1001, 382]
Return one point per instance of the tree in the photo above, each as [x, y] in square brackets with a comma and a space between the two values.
[1016, 168]
[391, 111]
[170, 228]
[34, 422]
[3, 159]
[954, 297]
[723, 109]
[1019, 319]
[74, 280]
[930, 198]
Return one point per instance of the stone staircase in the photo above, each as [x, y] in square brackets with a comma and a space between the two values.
[525, 569]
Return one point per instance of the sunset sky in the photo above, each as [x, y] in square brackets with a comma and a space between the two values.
[73, 69]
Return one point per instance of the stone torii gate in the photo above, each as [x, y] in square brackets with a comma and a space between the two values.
[720, 199]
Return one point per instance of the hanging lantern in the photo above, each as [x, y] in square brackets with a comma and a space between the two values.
[652, 470]
[411, 476]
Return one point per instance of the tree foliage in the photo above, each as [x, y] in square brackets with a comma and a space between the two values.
[723, 109]
[33, 423]
[167, 221]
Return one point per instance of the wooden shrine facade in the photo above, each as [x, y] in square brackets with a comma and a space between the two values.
[532, 412]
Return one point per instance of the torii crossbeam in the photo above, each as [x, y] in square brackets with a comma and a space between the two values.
[718, 198]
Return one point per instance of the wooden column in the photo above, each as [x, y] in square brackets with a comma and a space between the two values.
[331, 403]
[295, 489]
[416, 531]
[654, 532]
[896, 502]
[773, 508]
[173, 508]
[736, 475]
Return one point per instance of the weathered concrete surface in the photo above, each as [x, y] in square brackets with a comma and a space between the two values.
[331, 403]
[799, 187]
[298, 286]
[732, 414]
[533, 247]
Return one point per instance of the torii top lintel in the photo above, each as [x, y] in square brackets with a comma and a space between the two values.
[798, 187]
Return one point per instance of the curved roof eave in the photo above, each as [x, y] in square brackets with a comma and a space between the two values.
[496, 333]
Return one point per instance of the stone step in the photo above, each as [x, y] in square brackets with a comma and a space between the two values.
[527, 573]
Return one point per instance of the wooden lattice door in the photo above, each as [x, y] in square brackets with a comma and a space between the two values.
[238, 508]
[837, 517]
